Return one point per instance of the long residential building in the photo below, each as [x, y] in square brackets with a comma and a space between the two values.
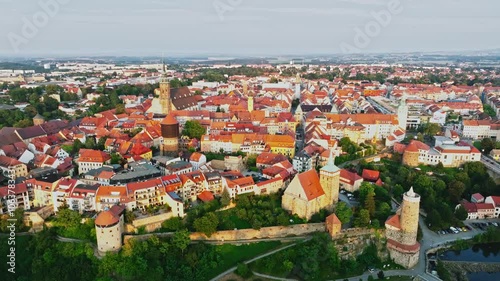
[249, 143]
[450, 155]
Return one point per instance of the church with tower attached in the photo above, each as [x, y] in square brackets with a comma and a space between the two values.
[308, 193]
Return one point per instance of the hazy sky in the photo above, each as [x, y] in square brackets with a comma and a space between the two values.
[239, 27]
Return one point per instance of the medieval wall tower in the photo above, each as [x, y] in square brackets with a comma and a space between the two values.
[329, 177]
[170, 135]
[401, 231]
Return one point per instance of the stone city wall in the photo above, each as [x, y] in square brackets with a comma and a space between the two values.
[265, 232]
[150, 223]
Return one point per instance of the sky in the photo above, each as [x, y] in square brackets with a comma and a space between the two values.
[245, 27]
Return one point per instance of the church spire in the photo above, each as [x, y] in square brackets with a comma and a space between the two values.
[331, 159]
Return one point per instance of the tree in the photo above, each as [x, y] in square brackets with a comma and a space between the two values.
[370, 203]
[370, 278]
[68, 217]
[173, 224]
[363, 219]
[101, 143]
[431, 129]
[225, 199]
[243, 270]
[116, 158]
[90, 143]
[181, 239]
[461, 213]
[120, 108]
[343, 212]
[380, 275]
[193, 129]
[455, 190]
[207, 224]
[252, 161]
[487, 145]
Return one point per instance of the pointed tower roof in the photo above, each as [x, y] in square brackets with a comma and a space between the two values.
[330, 165]
[169, 120]
[411, 193]
[38, 116]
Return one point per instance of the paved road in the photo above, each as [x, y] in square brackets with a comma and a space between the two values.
[491, 164]
[245, 241]
[256, 258]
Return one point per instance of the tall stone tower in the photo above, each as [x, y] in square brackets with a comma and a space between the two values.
[165, 99]
[403, 113]
[329, 177]
[245, 88]
[170, 135]
[109, 226]
[250, 103]
[401, 231]
[297, 86]
[409, 214]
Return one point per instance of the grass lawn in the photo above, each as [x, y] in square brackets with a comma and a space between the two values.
[230, 215]
[232, 254]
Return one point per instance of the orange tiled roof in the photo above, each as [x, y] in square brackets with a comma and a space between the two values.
[309, 182]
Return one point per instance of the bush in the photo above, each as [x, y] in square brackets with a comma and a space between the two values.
[173, 224]
[243, 270]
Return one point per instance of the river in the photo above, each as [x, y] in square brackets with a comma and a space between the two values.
[477, 253]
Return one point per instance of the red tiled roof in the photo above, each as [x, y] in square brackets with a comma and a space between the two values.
[496, 200]
[370, 175]
[477, 196]
[310, 184]
[333, 219]
[484, 206]
[394, 221]
[18, 189]
[349, 177]
[206, 196]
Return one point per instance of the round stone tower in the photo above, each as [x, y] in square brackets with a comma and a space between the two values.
[410, 212]
[170, 134]
[108, 230]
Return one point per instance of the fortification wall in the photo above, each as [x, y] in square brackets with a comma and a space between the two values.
[265, 232]
[406, 260]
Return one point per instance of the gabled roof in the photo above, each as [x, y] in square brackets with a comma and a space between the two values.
[309, 181]
[394, 221]
[206, 196]
[370, 175]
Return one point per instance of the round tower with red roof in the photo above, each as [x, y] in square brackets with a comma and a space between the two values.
[170, 135]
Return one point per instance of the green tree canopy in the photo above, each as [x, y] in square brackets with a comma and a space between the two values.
[193, 129]
[343, 212]
[206, 224]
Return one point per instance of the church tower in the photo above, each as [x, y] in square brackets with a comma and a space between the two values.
[403, 113]
[297, 86]
[329, 177]
[245, 88]
[165, 99]
[250, 103]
